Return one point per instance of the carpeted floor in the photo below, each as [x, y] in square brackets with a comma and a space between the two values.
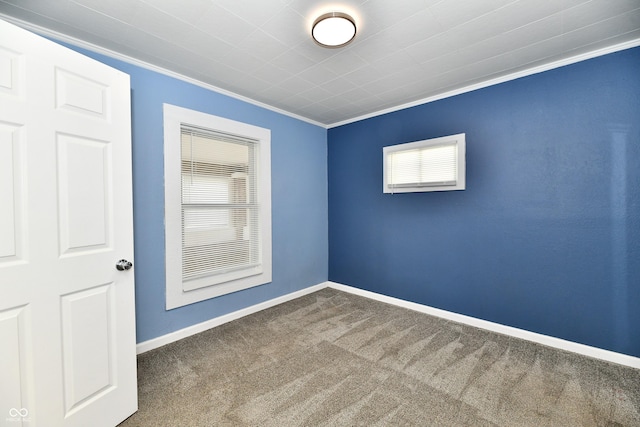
[336, 359]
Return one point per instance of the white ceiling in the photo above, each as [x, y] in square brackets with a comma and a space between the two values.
[404, 51]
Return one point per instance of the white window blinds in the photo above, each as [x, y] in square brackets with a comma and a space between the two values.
[429, 165]
[220, 211]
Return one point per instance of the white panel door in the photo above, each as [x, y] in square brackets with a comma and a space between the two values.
[67, 325]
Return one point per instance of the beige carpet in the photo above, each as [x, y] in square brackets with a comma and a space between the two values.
[335, 359]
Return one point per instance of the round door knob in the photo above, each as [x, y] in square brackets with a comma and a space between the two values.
[123, 264]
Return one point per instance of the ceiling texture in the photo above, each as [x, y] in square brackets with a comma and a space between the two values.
[405, 51]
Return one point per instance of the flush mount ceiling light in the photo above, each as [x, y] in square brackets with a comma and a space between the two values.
[333, 29]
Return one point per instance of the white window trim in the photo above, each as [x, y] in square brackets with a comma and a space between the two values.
[458, 140]
[174, 117]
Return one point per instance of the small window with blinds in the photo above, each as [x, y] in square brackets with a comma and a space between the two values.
[430, 165]
[217, 206]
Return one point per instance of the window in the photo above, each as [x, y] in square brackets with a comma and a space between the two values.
[217, 206]
[431, 165]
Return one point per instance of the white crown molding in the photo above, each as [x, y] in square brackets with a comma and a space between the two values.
[527, 72]
[491, 82]
[142, 64]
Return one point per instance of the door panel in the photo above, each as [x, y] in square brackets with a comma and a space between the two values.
[67, 319]
[86, 214]
[11, 173]
[13, 359]
[82, 95]
[88, 353]
[10, 72]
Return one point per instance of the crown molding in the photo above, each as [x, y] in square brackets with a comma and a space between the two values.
[142, 64]
[486, 83]
[491, 82]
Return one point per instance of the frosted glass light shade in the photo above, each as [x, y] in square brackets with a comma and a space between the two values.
[333, 29]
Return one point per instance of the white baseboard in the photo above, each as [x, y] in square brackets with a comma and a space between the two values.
[594, 352]
[217, 321]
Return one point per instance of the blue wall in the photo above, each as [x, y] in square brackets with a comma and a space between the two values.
[546, 237]
[299, 199]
